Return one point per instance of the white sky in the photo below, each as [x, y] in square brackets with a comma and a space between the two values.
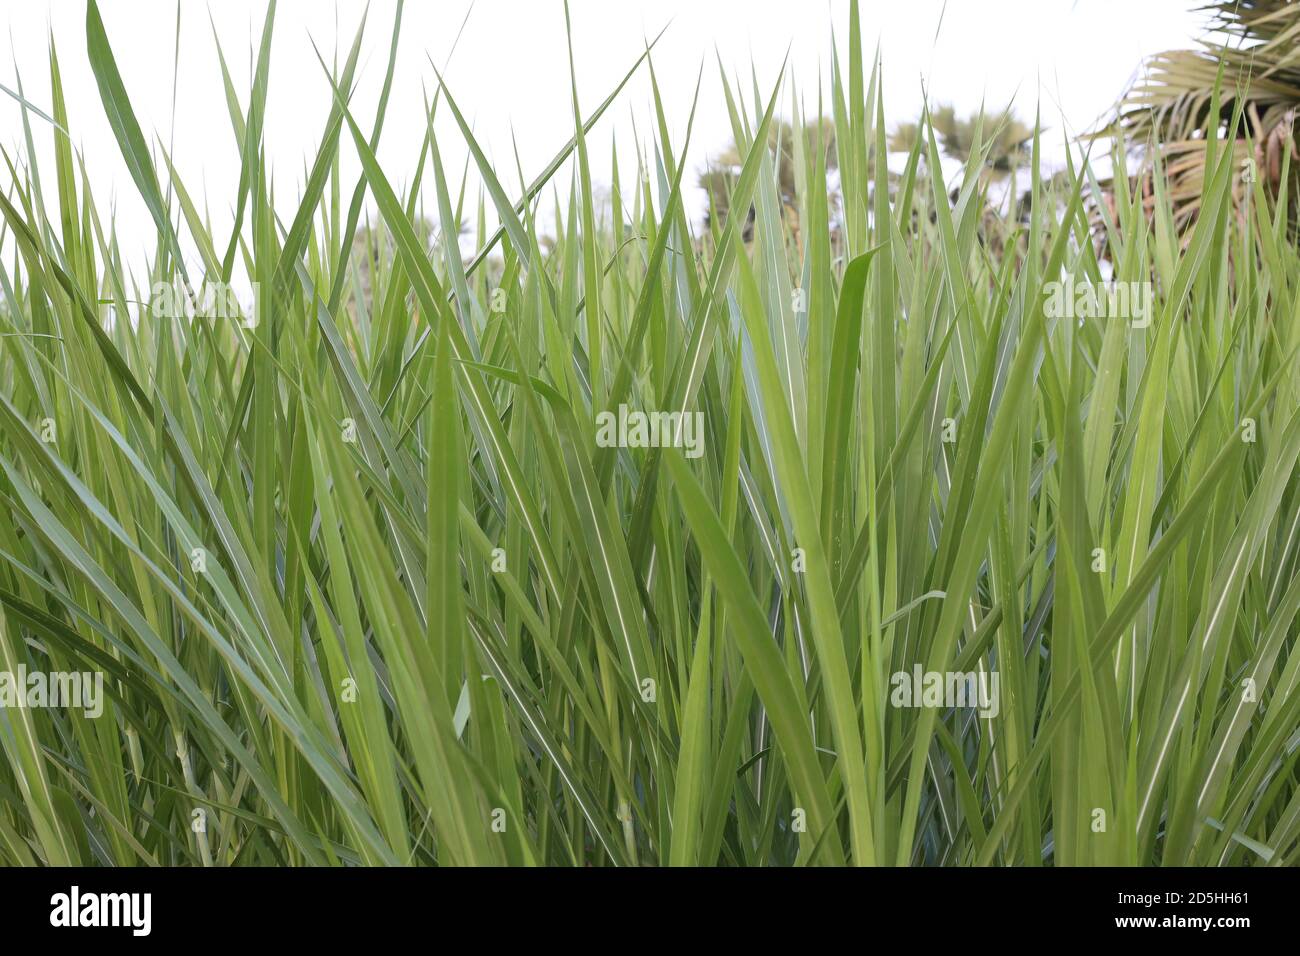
[510, 74]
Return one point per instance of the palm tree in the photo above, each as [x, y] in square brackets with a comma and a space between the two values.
[1169, 106]
[1003, 140]
[1003, 137]
[719, 177]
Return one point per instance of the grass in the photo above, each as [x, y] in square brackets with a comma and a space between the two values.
[366, 590]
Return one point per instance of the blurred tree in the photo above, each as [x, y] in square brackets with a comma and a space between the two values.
[1257, 45]
[719, 177]
[1004, 142]
[1003, 138]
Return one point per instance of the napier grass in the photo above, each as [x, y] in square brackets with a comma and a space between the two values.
[369, 574]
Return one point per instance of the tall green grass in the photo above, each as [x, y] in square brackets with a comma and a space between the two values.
[366, 590]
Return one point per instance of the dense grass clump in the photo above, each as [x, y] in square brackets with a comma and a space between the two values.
[650, 542]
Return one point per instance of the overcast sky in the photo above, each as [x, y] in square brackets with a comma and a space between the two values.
[510, 73]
